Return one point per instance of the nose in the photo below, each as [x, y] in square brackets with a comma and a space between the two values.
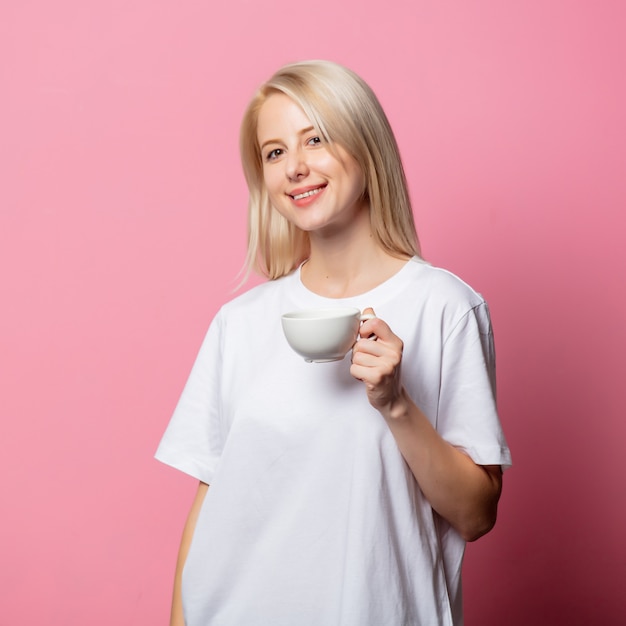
[296, 165]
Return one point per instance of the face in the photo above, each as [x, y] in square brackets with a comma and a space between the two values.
[317, 190]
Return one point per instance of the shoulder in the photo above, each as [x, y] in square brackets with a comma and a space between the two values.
[440, 302]
[256, 300]
[442, 287]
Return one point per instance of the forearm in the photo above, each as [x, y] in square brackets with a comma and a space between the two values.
[176, 616]
[463, 493]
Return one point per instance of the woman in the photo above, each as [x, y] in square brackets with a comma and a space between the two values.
[341, 493]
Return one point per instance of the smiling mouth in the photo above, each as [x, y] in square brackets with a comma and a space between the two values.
[306, 194]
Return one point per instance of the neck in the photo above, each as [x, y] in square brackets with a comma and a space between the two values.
[347, 264]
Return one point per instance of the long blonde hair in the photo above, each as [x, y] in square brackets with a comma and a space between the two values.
[344, 110]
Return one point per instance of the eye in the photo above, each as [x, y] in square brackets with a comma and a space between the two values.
[273, 154]
[314, 141]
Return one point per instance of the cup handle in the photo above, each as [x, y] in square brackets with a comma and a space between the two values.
[364, 318]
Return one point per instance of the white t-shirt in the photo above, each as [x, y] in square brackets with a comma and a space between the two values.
[313, 517]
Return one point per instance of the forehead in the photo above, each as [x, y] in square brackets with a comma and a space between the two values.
[280, 116]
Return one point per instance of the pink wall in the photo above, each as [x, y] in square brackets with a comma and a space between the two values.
[122, 212]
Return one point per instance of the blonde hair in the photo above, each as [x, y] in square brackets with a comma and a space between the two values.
[344, 110]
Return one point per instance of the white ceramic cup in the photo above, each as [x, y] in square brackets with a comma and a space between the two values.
[322, 335]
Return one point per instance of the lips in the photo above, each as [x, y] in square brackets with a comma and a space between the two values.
[306, 192]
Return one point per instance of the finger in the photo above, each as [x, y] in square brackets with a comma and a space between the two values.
[372, 375]
[367, 314]
[383, 360]
[365, 359]
[372, 348]
[369, 326]
[379, 328]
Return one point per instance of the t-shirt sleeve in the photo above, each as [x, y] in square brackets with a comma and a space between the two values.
[467, 416]
[193, 440]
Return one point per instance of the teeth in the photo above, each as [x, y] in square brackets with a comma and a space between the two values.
[306, 194]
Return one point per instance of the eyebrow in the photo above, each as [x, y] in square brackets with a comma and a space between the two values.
[304, 131]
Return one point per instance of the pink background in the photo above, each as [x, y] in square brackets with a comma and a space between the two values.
[122, 220]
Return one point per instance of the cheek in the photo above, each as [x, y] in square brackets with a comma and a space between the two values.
[270, 180]
[357, 183]
[348, 170]
[323, 161]
[274, 191]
